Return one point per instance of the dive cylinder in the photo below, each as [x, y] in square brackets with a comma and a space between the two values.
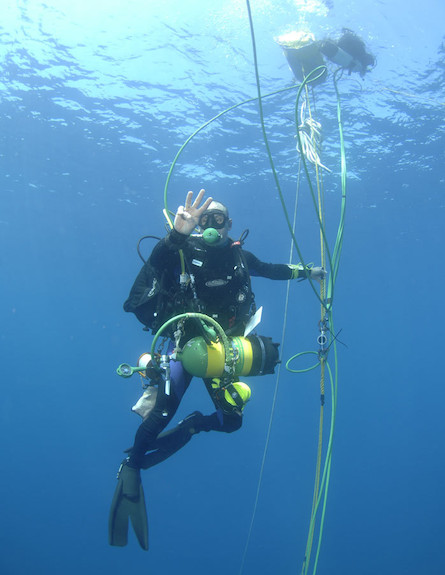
[231, 396]
[339, 56]
[254, 355]
[302, 54]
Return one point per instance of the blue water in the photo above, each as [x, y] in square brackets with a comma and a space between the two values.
[96, 99]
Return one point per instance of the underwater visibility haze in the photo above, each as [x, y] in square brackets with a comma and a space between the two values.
[97, 99]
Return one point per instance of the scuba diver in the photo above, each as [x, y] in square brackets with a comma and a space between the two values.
[304, 54]
[217, 283]
[349, 52]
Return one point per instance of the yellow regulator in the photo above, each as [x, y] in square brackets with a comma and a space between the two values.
[254, 355]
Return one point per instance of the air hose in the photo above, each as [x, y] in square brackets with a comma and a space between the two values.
[320, 487]
[167, 212]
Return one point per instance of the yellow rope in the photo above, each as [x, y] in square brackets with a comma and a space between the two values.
[316, 493]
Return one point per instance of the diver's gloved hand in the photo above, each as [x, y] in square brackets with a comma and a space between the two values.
[131, 480]
[187, 217]
[318, 274]
[299, 271]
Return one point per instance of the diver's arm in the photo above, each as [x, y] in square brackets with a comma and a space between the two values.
[267, 270]
[281, 271]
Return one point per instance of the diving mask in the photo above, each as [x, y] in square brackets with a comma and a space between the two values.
[213, 219]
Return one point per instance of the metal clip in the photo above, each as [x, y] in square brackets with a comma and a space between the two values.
[165, 366]
[322, 339]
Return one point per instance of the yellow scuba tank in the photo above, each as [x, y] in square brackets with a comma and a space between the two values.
[254, 355]
[231, 396]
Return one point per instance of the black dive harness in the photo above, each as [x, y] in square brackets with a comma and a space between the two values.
[234, 284]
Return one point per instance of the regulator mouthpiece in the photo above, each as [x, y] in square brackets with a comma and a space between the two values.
[211, 236]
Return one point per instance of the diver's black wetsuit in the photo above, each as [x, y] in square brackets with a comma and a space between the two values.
[221, 290]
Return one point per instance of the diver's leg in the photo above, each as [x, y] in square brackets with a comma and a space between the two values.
[171, 441]
[161, 414]
[128, 502]
[226, 422]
